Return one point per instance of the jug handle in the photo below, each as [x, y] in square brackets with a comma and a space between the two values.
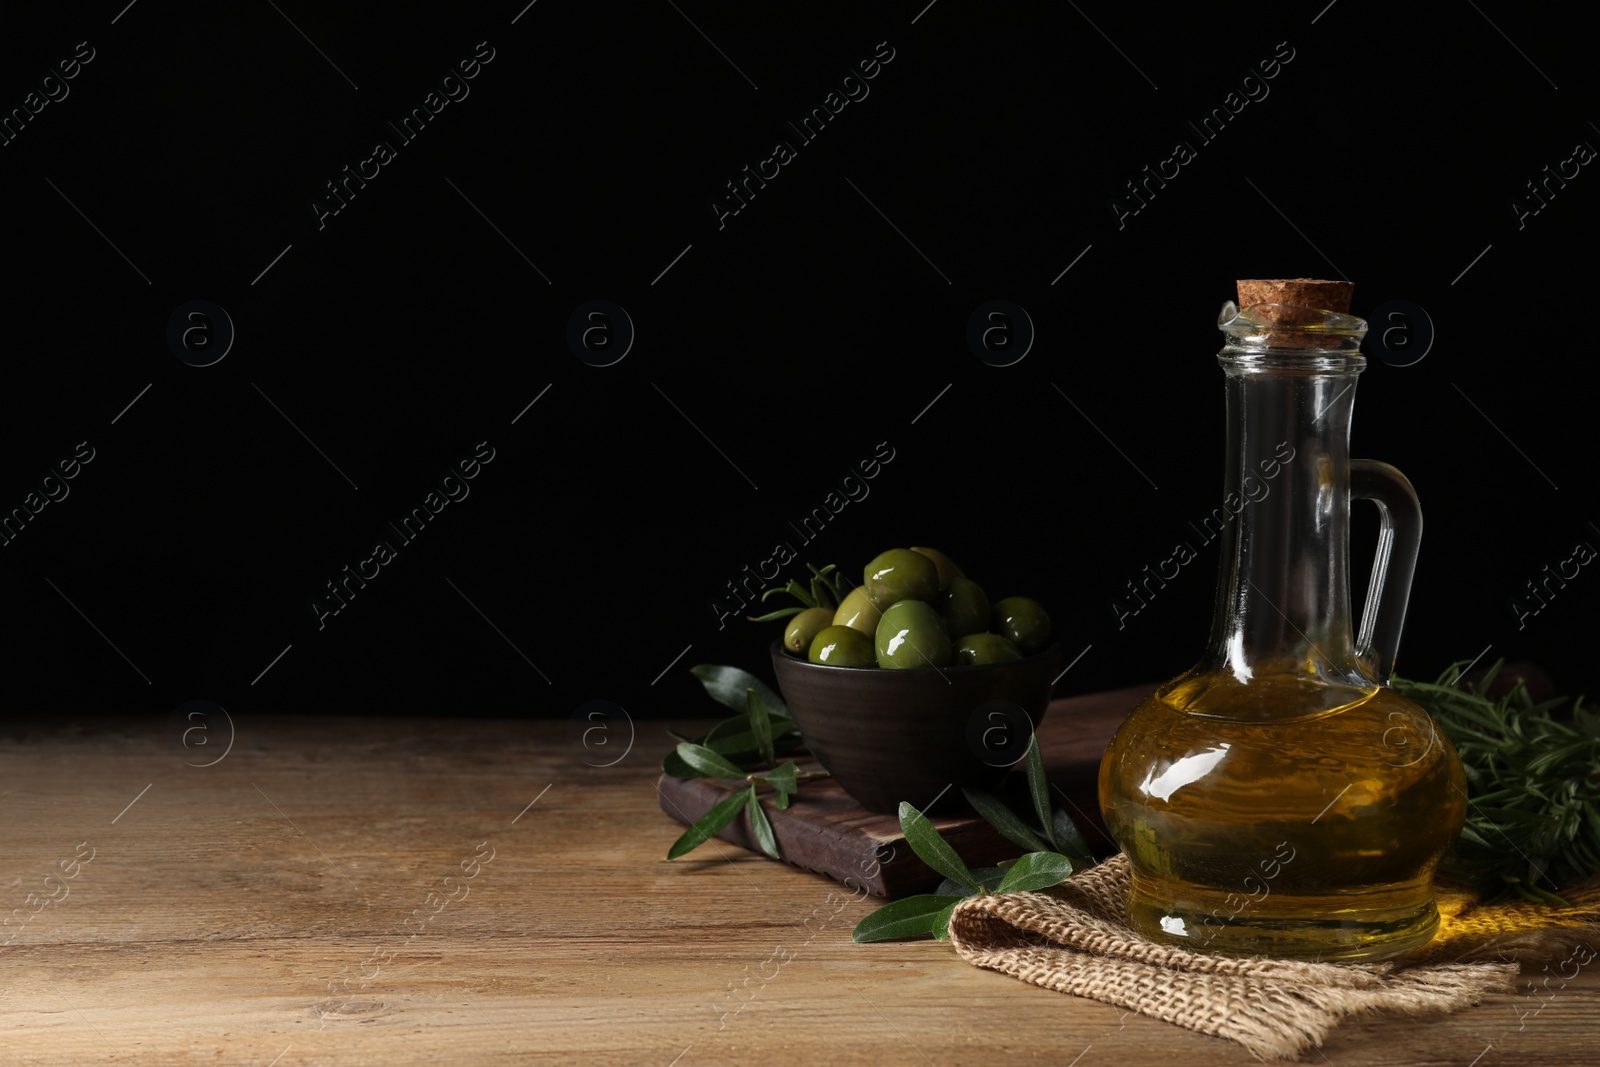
[1399, 535]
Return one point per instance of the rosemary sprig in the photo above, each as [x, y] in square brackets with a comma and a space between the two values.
[1533, 781]
[824, 592]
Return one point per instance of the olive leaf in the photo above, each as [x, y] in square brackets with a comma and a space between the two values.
[785, 782]
[720, 815]
[933, 849]
[1004, 820]
[1070, 839]
[988, 879]
[733, 738]
[760, 828]
[730, 738]
[727, 686]
[784, 777]
[735, 749]
[707, 762]
[1036, 870]
[940, 924]
[672, 764]
[907, 918]
[760, 726]
[923, 915]
[1039, 789]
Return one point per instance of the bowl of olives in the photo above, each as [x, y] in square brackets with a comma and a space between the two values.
[916, 685]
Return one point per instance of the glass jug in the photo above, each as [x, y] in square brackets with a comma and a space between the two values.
[1278, 799]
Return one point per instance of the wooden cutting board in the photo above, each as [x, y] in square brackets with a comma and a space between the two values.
[823, 830]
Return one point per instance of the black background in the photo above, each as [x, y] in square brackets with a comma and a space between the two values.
[818, 322]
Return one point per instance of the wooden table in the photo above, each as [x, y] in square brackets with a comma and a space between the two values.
[255, 912]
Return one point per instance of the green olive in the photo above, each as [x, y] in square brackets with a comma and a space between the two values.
[842, 646]
[942, 563]
[911, 635]
[900, 574]
[964, 608]
[977, 649]
[805, 626]
[857, 612]
[1023, 622]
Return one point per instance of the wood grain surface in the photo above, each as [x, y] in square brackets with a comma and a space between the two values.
[256, 912]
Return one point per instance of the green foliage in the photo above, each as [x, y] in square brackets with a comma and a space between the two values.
[1533, 783]
[744, 748]
[1040, 868]
[747, 748]
[909, 918]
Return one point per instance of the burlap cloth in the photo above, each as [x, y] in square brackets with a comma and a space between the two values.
[1074, 938]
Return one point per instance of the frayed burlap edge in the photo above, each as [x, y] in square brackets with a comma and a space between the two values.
[1075, 939]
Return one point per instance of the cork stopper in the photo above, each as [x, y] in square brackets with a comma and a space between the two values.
[1297, 293]
[1301, 303]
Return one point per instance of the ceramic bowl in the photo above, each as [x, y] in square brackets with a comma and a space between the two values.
[917, 735]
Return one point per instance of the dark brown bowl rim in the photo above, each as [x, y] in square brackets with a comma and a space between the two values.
[778, 650]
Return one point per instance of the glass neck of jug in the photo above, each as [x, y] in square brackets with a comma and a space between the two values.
[1283, 595]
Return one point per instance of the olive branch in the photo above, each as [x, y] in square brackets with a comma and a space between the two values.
[744, 748]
